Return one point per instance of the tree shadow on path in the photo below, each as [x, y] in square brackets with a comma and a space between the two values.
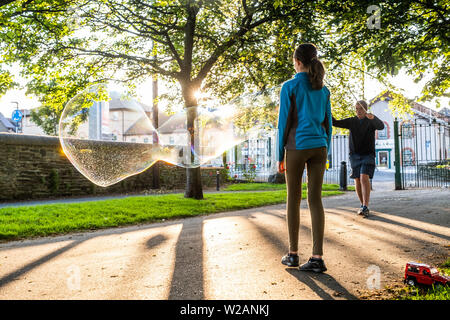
[187, 278]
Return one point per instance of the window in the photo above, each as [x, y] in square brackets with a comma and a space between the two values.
[383, 157]
[413, 269]
[407, 130]
[145, 140]
[408, 157]
[433, 271]
[383, 134]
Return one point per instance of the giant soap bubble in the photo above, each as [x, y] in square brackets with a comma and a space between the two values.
[97, 131]
[108, 134]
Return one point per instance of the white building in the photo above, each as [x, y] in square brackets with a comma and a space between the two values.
[421, 141]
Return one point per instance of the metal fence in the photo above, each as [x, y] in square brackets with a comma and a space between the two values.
[424, 154]
[338, 153]
[247, 172]
[260, 171]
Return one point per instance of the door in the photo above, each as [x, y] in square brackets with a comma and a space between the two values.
[383, 159]
[425, 277]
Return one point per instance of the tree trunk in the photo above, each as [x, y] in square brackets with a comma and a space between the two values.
[194, 187]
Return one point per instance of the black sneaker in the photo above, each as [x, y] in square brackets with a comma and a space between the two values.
[365, 212]
[360, 210]
[314, 264]
[290, 260]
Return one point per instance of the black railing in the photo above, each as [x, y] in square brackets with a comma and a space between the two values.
[338, 152]
[260, 172]
[424, 154]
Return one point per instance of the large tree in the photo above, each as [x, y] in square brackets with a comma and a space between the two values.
[192, 37]
[224, 47]
[414, 35]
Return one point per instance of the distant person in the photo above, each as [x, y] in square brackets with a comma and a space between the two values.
[304, 134]
[362, 150]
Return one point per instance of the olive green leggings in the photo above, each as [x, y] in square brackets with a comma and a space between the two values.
[315, 160]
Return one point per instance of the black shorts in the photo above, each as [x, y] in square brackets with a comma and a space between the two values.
[362, 164]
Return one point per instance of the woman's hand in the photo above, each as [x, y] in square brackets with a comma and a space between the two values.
[369, 116]
[281, 168]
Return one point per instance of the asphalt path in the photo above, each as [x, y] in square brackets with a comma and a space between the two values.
[235, 255]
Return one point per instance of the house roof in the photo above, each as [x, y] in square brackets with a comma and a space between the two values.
[140, 128]
[6, 122]
[119, 103]
[417, 108]
[427, 112]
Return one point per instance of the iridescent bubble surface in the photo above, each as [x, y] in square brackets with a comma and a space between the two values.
[108, 135]
[98, 130]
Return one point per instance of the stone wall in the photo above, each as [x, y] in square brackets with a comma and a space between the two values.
[35, 167]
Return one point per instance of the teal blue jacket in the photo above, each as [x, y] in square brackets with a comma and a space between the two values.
[304, 120]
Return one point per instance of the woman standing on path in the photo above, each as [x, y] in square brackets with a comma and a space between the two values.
[304, 134]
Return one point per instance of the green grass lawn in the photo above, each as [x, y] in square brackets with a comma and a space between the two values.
[275, 186]
[44, 220]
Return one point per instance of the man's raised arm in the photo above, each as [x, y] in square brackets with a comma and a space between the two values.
[344, 123]
[376, 123]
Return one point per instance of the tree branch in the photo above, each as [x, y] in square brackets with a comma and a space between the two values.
[150, 62]
[245, 27]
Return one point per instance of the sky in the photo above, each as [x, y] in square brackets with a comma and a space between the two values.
[373, 87]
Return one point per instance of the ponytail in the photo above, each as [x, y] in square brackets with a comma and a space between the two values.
[316, 73]
[307, 54]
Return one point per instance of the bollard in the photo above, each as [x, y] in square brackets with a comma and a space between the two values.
[217, 180]
[343, 176]
[398, 177]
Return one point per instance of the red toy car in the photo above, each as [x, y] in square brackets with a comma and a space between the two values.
[419, 273]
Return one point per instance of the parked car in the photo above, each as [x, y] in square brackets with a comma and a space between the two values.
[420, 273]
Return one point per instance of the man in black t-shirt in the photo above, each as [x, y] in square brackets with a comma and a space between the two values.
[362, 150]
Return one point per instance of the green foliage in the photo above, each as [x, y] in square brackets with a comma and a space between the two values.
[65, 45]
[6, 82]
[399, 105]
[423, 293]
[47, 119]
[250, 173]
[53, 181]
[412, 35]
[445, 266]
